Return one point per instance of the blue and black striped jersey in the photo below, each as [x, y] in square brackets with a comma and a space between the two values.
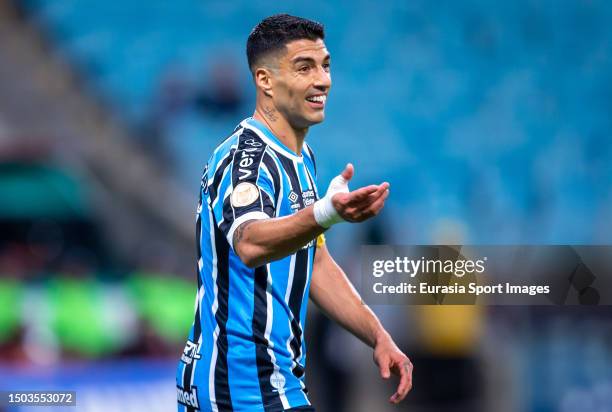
[246, 349]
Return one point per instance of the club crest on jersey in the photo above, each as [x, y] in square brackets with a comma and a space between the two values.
[244, 194]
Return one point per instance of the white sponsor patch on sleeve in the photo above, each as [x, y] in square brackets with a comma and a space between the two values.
[244, 194]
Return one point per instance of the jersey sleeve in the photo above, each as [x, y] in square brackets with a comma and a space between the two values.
[248, 190]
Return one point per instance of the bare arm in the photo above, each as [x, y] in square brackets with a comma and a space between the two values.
[258, 242]
[334, 294]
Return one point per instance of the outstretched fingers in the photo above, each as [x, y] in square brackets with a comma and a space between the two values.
[363, 203]
[360, 195]
[383, 190]
[378, 204]
[376, 198]
[367, 195]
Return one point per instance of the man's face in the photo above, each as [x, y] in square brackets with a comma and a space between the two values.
[302, 82]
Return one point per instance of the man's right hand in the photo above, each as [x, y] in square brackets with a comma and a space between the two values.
[360, 204]
[261, 241]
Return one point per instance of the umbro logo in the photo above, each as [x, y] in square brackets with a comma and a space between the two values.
[293, 197]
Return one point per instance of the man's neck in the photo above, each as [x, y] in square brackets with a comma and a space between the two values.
[291, 137]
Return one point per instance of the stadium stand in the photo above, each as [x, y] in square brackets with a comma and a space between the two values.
[475, 101]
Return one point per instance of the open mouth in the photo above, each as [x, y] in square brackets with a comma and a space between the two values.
[317, 102]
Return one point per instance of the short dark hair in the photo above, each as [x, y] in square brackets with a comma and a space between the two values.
[274, 32]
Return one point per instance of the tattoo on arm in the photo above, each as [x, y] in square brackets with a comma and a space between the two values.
[239, 233]
[270, 113]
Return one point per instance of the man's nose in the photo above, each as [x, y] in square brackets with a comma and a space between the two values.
[322, 79]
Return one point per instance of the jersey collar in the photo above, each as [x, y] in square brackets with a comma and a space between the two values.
[267, 136]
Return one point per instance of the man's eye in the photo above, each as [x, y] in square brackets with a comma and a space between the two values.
[326, 66]
[304, 69]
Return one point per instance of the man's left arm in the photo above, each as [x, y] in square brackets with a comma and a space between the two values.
[334, 294]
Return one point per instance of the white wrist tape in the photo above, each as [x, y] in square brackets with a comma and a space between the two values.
[324, 212]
